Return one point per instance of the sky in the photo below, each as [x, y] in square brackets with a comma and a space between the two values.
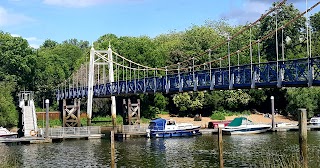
[59, 20]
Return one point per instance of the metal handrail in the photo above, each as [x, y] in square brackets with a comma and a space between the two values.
[74, 131]
[134, 128]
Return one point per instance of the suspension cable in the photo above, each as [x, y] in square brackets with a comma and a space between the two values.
[282, 45]
[238, 33]
[268, 35]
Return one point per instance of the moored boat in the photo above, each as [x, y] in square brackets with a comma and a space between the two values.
[217, 124]
[4, 133]
[315, 121]
[241, 125]
[169, 128]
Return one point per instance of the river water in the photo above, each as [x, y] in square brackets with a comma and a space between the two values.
[259, 150]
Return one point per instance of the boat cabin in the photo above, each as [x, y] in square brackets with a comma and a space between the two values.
[161, 124]
[315, 121]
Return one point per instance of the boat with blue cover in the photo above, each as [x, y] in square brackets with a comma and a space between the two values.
[169, 128]
[242, 125]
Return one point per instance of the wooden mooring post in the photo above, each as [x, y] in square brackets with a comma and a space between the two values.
[220, 146]
[113, 163]
[303, 137]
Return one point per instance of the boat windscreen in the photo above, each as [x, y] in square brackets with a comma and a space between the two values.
[151, 125]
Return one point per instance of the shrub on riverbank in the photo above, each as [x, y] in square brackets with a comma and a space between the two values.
[221, 114]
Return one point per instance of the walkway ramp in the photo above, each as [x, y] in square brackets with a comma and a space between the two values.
[29, 117]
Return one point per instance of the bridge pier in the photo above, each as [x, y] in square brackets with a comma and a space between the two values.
[131, 112]
[71, 113]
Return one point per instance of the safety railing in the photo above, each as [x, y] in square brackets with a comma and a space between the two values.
[74, 131]
[134, 128]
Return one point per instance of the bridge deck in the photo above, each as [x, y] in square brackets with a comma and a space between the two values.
[290, 73]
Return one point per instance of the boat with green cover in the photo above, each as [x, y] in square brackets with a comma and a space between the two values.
[242, 125]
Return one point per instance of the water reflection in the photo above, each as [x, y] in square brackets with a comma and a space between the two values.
[201, 151]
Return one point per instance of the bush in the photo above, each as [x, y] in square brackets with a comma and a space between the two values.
[221, 114]
[218, 116]
[52, 123]
[144, 120]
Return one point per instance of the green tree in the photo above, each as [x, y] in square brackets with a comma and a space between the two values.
[235, 99]
[193, 101]
[79, 43]
[8, 112]
[14, 52]
[294, 47]
[315, 25]
[303, 98]
[160, 102]
[315, 22]
[182, 101]
[49, 44]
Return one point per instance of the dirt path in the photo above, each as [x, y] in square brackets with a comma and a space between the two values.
[256, 118]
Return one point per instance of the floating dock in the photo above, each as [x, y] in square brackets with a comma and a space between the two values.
[31, 140]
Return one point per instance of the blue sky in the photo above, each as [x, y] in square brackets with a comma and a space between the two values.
[59, 20]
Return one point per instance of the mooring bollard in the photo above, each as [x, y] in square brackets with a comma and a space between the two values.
[220, 146]
[303, 137]
[47, 119]
[113, 163]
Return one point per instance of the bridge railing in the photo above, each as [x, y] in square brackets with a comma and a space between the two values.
[303, 72]
[74, 131]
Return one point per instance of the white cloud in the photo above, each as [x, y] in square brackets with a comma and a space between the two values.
[248, 12]
[9, 19]
[251, 10]
[35, 46]
[34, 42]
[75, 3]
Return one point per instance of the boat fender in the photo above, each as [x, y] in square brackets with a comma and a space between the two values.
[33, 133]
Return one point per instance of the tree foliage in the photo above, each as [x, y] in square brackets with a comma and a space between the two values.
[8, 112]
[303, 98]
[291, 34]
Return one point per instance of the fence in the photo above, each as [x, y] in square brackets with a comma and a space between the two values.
[74, 131]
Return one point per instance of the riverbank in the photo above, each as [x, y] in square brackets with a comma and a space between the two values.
[256, 118]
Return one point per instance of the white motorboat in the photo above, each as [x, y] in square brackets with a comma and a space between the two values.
[169, 128]
[241, 125]
[315, 121]
[4, 133]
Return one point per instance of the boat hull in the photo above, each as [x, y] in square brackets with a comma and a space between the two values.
[172, 133]
[240, 131]
[9, 136]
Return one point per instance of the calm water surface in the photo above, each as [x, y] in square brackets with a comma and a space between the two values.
[200, 151]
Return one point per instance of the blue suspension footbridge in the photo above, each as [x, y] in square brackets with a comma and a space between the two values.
[127, 77]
